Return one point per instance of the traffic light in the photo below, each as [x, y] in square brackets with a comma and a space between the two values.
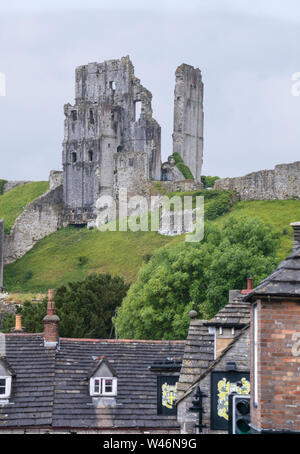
[239, 414]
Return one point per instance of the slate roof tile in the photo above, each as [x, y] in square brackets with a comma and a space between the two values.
[51, 387]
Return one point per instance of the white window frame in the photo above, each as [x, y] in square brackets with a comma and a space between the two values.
[102, 391]
[255, 355]
[7, 393]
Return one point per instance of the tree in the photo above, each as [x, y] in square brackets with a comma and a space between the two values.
[85, 308]
[208, 182]
[198, 276]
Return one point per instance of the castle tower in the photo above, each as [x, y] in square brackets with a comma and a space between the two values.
[188, 118]
[106, 140]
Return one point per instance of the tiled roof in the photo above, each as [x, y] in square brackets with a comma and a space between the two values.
[51, 388]
[235, 313]
[284, 281]
[198, 354]
[199, 349]
[33, 385]
[214, 363]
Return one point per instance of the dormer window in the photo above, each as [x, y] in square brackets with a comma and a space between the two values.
[103, 386]
[5, 387]
[102, 379]
[6, 374]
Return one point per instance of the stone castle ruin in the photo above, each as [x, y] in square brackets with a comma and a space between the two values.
[112, 140]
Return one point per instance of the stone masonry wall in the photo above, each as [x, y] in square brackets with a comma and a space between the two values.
[281, 183]
[188, 118]
[238, 353]
[12, 184]
[40, 218]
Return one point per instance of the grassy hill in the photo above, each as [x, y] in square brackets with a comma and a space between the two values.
[72, 253]
[277, 213]
[13, 202]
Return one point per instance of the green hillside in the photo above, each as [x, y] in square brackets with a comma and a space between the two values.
[72, 253]
[277, 213]
[13, 202]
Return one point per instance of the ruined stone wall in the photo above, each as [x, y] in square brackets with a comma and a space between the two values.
[40, 218]
[281, 183]
[13, 184]
[131, 169]
[102, 122]
[55, 178]
[238, 353]
[188, 118]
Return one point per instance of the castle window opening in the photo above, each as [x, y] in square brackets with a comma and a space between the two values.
[112, 85]
[90, 155]
[74, 115]
[73, 157]
[119, 148]
[92, 121]
[131, 162]
[137, 110]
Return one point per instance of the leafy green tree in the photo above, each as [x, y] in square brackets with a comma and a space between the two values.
[85, 308]
[198, 276]
[208, 182]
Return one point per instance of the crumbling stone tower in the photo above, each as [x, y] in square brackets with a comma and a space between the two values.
[107, 144]
[188, 118]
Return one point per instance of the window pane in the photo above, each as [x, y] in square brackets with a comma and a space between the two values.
[97, 386]
[2, 385]
[108, 386]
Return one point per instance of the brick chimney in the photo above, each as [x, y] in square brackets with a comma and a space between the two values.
[249, 286]
[51, 321]
[296, 242]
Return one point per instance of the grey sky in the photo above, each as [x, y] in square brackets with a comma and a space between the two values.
[247, 52]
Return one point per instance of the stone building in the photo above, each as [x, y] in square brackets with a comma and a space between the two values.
[275, 347]
[216, 362]
[111, 139]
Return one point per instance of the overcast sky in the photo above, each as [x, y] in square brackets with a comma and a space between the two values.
[247, 52]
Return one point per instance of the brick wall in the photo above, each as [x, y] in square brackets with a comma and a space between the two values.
[278, 365]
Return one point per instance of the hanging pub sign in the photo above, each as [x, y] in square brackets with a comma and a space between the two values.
[222, 384]
[166, 394]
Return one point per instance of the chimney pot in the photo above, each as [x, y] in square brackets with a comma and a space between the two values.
[18, 325]
[249, 286]
[18, 322]
[249, 283]
[296, 242]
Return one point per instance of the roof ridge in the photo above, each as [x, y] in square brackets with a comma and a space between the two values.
[74, 339]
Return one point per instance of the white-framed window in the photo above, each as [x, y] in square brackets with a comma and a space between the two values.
[103, 386]
[5, 387]
[255, 355]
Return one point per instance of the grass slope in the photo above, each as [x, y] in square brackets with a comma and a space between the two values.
[277, 213]
[72, 253]
[13, 202]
